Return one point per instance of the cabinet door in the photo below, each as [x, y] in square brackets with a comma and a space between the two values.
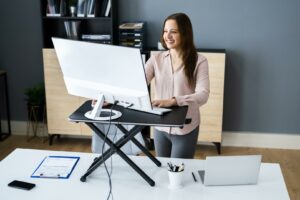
[212, 111]
[59, 103]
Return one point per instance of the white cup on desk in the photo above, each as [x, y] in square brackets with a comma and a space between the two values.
[175, 179]
[176, 174]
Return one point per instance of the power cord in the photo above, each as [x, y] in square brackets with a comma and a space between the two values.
[110, 194]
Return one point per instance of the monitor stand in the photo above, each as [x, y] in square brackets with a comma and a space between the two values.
[97, 113]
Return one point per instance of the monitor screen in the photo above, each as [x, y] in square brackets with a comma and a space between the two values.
[90, 69]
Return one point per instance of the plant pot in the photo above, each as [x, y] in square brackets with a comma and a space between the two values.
[36, 112]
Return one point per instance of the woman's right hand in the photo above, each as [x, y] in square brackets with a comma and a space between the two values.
[164, 103]
[94, 101]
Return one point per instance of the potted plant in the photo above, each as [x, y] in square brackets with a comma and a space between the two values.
[35, 98]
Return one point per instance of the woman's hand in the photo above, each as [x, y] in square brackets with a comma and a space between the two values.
[165, 103]
[94, 101]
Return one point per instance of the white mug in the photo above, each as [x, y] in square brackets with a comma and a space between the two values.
[176, 179]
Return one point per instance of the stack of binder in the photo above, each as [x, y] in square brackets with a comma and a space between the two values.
[97, 38]
[132, 34]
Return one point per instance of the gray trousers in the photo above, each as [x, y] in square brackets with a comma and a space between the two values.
[115, 134]
[175, 146]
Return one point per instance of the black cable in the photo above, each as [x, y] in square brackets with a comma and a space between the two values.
[111, 163]
[110, 194]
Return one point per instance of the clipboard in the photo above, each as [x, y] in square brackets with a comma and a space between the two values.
[56, 167]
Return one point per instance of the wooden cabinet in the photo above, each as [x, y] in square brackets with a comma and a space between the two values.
[212, 111]
[59, 103]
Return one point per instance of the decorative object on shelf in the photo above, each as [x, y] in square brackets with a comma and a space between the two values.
[72, 7]
[132, 34]
[73, 11]
[35, 98]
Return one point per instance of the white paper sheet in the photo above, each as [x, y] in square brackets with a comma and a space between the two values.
[55, 167]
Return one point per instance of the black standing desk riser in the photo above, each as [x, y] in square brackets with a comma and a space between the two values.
[140, 120]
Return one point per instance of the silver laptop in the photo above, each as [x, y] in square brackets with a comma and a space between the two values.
[231, 170]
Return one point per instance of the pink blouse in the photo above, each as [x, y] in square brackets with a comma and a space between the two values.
[170, 84]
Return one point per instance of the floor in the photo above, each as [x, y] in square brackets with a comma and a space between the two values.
[289, 159]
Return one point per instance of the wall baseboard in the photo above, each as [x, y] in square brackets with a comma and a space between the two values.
[20, 128]
[234, 139]
[261, 140]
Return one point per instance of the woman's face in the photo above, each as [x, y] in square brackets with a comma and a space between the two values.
[171, 34]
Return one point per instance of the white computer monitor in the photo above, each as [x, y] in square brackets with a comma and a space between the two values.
[103, 72]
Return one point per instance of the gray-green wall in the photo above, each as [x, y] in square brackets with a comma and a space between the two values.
[20, 48]
[262, 40]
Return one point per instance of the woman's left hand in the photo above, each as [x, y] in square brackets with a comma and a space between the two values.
[165, 103]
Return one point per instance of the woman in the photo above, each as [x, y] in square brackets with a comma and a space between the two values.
[181, 78]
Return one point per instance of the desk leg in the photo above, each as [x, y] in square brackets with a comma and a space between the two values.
[140, 146]
[136, 168]
[117, 145]
[115, 148]
[3, 136]
[7, 105]
[218, 146]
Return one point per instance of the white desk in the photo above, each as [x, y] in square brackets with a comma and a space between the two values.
[127, 185]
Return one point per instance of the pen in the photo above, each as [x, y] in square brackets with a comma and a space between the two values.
[181, 167]
[176, 168]
[194, 177]
[170, 166]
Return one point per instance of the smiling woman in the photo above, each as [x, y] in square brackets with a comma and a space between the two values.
[181, 78]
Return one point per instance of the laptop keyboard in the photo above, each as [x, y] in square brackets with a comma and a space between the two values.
[155, 110]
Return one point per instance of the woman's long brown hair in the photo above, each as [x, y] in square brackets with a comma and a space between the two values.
[189, 52]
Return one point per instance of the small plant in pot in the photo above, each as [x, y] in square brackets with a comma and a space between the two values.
[35, 98]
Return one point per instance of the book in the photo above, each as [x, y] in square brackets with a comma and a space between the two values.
[91, 8]
[53, 8]
[98, 41]
[82, 8]
[132, 25]
[103, 6]
[72, 29]
[96, 37]
[131, 34]
[63, 8]
[108, 8]
[68, 29]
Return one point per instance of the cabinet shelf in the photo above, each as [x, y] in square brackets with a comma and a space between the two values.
[68, 26]
[77, 18]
